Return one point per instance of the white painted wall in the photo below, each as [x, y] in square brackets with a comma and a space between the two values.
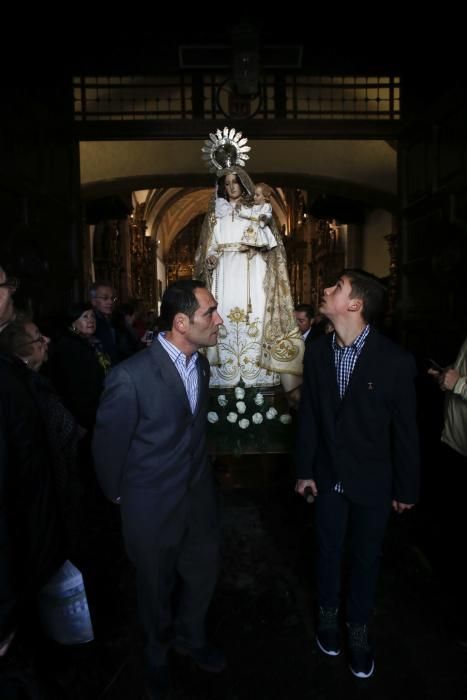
[375, 251]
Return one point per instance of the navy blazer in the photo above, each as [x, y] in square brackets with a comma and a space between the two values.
[368, 440]
[149, 449]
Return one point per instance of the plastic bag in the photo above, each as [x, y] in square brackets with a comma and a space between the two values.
[63, 607]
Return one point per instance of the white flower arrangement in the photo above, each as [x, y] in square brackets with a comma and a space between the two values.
[244, 418]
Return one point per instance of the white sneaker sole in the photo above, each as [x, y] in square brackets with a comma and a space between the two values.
[360, 674]
[328, 652]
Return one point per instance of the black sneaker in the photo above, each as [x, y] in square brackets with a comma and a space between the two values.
[361, 659]
[327, 634]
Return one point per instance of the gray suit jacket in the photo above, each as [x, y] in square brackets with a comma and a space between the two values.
[149, 449]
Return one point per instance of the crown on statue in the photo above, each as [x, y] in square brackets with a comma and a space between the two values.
[224, 149]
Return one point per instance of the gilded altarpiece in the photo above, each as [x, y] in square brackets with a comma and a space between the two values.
[327, 258]
[109, 254]
[296, 245]
[180, 261]
[143, 253]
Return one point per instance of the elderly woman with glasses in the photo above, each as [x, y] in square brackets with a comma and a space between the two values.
[8, 286]
[23, 340]
[78, 364]
[37, 446]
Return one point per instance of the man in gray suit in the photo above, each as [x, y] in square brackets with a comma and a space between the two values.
[150, 454]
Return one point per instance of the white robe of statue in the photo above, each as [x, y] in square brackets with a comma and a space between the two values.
[238, 286]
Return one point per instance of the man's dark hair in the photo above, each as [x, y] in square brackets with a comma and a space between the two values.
[179, 298]
[369, 289]
[95, 286]
[307, 308]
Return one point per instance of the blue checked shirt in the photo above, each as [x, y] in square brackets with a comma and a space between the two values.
[187, 371]
[345, 359]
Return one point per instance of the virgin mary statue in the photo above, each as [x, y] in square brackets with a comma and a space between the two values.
[259, 343]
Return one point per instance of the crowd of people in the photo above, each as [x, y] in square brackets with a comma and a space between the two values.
[94, 409]
[50, 391]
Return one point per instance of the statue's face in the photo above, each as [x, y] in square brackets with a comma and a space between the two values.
[232, 187]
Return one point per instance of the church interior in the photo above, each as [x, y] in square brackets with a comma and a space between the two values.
[365, 148]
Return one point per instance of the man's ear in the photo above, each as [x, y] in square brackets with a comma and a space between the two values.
[179, 322]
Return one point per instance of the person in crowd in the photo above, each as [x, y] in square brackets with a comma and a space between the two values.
[8, 286]
[357, 453]
[128, 341]
[451, 521]
[259, 343]
[102, 298]
[304, 315]
[78, 364]
[150, 455]
[33, 437]
[23, 340]
[311, 326]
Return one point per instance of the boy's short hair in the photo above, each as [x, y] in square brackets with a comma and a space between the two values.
[369, 289]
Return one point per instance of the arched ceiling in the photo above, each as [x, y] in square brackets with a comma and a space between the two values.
[177, 186]
[366, 164]
[168, 211]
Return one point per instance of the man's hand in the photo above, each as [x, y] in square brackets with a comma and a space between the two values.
[302, 484]
[293, 397]
[449, 379]
[401, 507]
[434, 373]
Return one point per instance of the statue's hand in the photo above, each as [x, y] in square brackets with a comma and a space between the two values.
[251, 253]
[211, 262]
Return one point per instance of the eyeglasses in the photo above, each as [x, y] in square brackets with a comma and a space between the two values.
[10, 283]
[108, 298]
[40, 339]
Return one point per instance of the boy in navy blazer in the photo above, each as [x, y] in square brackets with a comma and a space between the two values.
[357, 452]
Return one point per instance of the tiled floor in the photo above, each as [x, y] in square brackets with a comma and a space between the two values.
[262, 615]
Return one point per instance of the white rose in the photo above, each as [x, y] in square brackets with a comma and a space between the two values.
[241, 406]
[239, 392]
[244, 423]
[232, 417]
[222, 400]
[259, 399]
[285, 418]
[257, 418]
[271, 413]
[213, 417]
